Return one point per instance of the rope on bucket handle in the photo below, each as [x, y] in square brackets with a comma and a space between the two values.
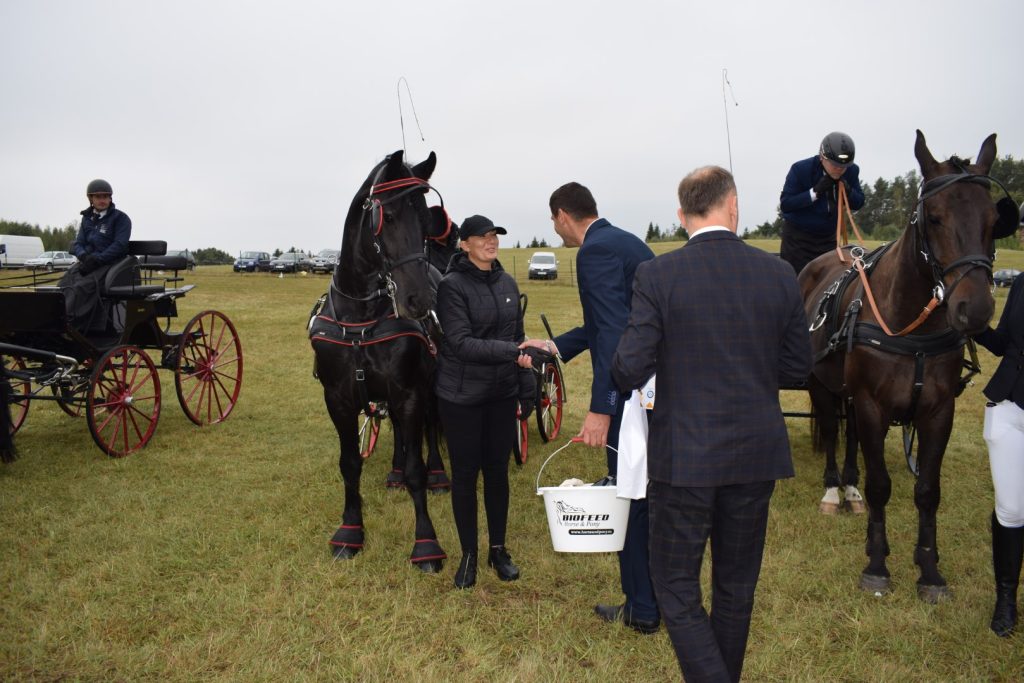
[575, 439]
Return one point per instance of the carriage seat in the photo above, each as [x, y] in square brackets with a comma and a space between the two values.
[123, 280]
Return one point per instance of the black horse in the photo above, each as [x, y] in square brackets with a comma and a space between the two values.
[934, 281]
[372, 345]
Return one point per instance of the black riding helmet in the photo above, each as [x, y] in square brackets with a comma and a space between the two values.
[99, 186]
[838, 148]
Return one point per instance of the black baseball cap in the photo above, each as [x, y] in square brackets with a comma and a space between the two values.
[478, 225]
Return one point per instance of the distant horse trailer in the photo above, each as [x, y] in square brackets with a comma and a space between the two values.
[16, 249]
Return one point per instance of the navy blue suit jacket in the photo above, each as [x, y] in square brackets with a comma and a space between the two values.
[723, 325]
[797, 201]
[605, 266]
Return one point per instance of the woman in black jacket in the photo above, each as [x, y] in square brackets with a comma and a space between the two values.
[1004, 434]
[481, 374]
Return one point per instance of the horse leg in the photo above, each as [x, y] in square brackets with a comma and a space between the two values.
[934, 435]
[396, 477]
[349, 538]
[427, 554]
[437, 478]
[871, 430]
[854, 501]
[825, 428]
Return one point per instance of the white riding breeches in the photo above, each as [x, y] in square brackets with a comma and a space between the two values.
[1004, 434]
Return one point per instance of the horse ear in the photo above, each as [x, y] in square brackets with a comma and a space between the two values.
[987, 154]
[395, 164]
[425, 169]
[924, 156]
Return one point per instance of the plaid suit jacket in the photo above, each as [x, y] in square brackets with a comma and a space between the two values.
[723, 325]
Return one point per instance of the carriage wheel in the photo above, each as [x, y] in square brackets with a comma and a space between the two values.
[19, 387]
[123, 402]
[549, 402]
[208, 376]
[521, 444]
[368, 434]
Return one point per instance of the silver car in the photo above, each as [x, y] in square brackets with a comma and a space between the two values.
[51, 261]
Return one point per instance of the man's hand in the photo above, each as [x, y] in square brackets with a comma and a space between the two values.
[88, 264]
[595, 430]
[823, 186]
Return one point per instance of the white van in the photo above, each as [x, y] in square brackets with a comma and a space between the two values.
[543, 266]
[15, 250]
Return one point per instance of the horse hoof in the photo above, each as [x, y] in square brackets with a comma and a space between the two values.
[438, 482]
[875, 584]
[933, 594]
[828, 508]
[343, 552]
[430, 566]
[427, 555]
[856, 507]
[395, 479]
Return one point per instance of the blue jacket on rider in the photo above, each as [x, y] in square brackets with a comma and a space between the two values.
[104, 237]
[817, 216]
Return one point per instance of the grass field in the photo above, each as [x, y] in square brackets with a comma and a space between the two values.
[205, 556]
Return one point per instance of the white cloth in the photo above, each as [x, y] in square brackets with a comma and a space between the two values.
[631, 479]
[1004, 434]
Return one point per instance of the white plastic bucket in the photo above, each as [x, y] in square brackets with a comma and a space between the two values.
[584, 519]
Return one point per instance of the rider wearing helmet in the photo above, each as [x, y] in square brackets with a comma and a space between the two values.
[809, 199]
[102, 241]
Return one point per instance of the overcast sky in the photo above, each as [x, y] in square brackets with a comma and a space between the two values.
[250, 125]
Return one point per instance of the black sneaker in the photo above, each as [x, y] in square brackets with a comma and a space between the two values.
[465, 575]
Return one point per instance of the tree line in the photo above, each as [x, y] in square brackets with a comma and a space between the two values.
[888, 204]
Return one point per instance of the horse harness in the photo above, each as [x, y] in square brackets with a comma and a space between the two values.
[847, 331]
[324, 325]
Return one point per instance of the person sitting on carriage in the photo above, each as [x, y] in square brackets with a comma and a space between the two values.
[809, 200]
[102, 241]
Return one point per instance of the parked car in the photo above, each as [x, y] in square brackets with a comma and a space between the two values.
[290, 263]
[252, 261]
[190, 259]
[1005, 277]
[325, 261]
[51, 261]
[543, 266]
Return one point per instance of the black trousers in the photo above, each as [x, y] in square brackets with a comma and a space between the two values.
[683, 519]
[800, 247]
[479, 439]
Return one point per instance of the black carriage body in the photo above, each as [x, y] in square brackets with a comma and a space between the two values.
[101, 371]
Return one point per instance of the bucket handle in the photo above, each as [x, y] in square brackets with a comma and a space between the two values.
[575, 439]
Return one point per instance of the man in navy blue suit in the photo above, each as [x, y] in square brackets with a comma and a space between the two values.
[607, 259]
[723, 325]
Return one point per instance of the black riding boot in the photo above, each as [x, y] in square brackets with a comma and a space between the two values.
[501, 561]
[465, 575]
[1007, 553]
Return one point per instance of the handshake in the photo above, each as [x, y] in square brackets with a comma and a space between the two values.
[539, 351]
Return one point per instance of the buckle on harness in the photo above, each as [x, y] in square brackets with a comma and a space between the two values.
[360, 375]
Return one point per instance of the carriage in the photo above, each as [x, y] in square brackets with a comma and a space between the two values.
[109, 374]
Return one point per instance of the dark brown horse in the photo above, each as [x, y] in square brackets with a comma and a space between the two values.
[370, 343]
[942, 261]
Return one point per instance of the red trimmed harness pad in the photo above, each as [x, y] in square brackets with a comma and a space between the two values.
[327, 329]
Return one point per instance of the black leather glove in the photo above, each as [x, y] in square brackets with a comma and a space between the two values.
[537, 356]
[87, 264]
[824, 186]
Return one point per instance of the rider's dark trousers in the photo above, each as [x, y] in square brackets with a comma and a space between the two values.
[480, 439]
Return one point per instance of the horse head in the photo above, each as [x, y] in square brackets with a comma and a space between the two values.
[385, 230]
[954, 227]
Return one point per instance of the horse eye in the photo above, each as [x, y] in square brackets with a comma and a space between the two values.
[934, 220]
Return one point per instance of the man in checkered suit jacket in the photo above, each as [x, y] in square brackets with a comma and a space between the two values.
[723, 325]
